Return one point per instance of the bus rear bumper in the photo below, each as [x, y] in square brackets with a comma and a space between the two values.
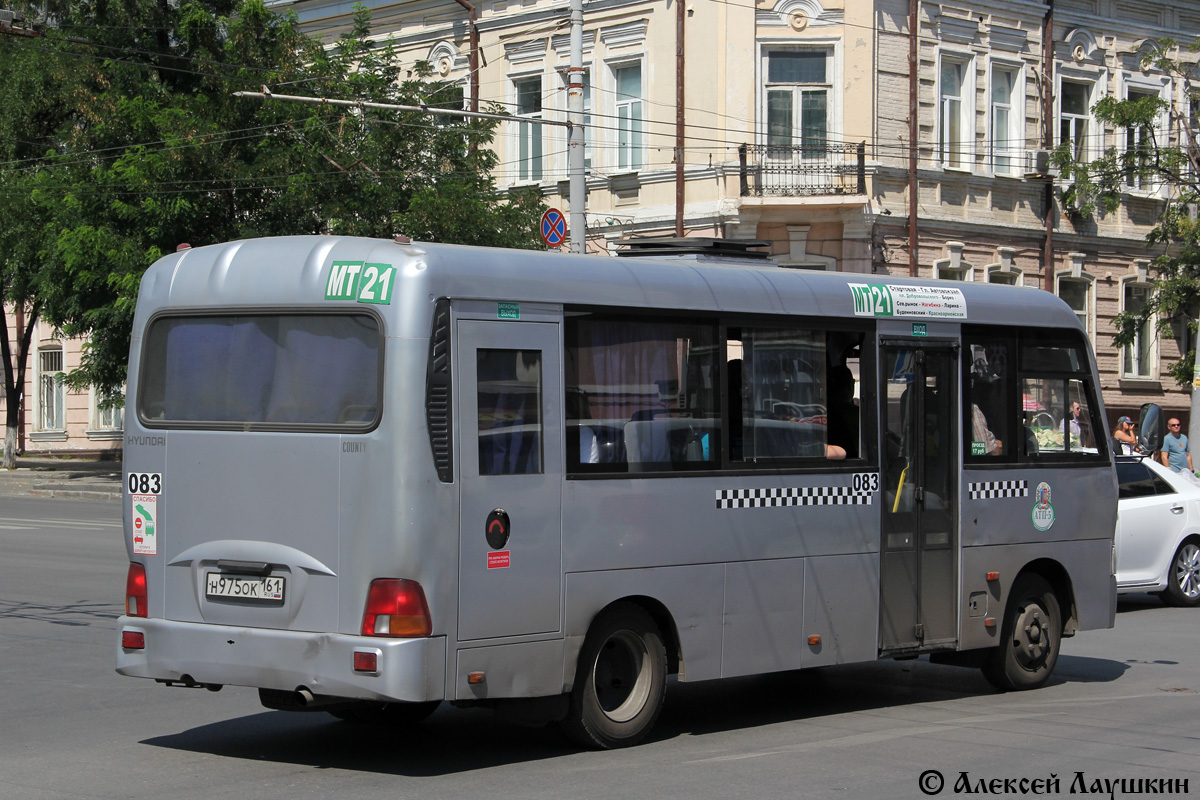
[411, 670]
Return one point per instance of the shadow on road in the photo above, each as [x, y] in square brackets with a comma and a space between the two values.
[457, 740]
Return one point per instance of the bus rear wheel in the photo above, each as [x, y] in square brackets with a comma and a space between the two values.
[1029, 639]
[621, 680]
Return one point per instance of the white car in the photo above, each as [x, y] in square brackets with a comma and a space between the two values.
[1158, 532]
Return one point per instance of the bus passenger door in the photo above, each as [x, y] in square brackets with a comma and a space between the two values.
[918, 398]
[511, 472]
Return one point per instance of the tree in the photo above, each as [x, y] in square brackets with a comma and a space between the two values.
[150, 149]
[31, 87]
[1159, 159]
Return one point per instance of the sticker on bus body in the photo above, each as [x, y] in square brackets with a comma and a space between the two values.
[893, 300]
[360, 282]
[1043, 511]
[144, 520]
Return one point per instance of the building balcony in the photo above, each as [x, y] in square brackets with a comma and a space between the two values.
[803, 170]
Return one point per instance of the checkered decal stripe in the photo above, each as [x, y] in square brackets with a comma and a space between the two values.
[803, 496]
[990, 490]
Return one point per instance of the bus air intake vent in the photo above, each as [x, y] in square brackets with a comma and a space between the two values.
[437, 393]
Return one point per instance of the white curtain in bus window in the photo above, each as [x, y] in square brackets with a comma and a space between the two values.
[510, 412]
[269, 370]
[641, 394]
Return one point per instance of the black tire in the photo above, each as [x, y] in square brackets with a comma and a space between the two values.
[620, 682]
[1183, 576]
[1030, 637]
[396, 714]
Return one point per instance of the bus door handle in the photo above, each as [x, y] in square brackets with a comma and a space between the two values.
[1176, 509]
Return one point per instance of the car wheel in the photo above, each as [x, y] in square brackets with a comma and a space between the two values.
[1183, 577]
[398, 714]
[620, 682]
[1030, 637]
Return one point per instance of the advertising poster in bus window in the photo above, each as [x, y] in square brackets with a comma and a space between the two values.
[145, 524]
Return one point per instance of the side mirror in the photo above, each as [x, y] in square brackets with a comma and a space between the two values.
[1151, 427]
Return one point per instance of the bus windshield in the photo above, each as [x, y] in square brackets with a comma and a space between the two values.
[262, 371]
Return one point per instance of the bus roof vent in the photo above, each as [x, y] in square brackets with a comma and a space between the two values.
[722, 249]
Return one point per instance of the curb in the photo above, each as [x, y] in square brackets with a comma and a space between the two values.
[74, 493]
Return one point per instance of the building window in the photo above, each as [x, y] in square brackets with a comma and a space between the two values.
[1077, 293]
[51, 391]
[529, 134]
[630, 116]
[1007, 122]
[1139, 144]
[1137, 358]
[106, 418]
[797, 100]
[1075, 117]
[1003, 276]
[953, 141]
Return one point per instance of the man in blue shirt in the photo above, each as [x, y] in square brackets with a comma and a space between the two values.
[1176, 453]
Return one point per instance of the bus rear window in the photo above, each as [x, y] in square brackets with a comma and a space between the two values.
[262, 372]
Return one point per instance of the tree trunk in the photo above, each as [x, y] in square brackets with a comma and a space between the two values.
[14, 381]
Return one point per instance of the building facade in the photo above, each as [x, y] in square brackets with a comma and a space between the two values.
[794, 123]
[795, 127]
[56, 419]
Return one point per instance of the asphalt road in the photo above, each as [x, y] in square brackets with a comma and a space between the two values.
[1123, 705]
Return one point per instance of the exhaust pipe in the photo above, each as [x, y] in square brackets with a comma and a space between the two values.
[299, 699]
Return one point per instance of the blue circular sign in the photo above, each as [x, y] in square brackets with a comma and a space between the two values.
[554, 227]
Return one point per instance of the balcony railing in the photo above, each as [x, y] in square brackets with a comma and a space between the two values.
[810, 169]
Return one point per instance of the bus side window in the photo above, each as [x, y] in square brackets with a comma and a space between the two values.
[987, 422]
[1057, 392]
[510, 412]
[641, 394]
[797, 394]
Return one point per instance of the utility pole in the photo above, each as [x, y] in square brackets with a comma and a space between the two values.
[575, 145]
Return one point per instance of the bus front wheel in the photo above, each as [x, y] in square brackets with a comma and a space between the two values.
[621, 680]
[1029, 639]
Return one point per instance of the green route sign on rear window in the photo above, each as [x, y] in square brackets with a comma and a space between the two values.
[360, 282]
[891, 300]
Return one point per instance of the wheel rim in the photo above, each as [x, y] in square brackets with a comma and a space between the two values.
[1031, 637]
[622, 676]
[1187, 571]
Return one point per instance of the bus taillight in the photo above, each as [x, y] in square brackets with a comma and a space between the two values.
[396, 608]
[135, 591]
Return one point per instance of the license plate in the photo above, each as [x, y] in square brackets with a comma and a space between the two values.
[220, 584]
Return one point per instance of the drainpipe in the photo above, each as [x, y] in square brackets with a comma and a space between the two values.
[680, 15]
[913, 130]
[1048, 138]
[474, 57]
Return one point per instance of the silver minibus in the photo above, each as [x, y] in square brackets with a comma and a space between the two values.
[369, 476]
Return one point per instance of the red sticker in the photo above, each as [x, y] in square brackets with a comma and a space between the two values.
[500, 559]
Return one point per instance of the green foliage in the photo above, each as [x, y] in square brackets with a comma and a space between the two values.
[121, 138]
[1150, 159]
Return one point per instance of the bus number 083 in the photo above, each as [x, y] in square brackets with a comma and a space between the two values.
[866, 481]
[147, 482]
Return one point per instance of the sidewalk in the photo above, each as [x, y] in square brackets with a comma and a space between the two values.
[79, 479]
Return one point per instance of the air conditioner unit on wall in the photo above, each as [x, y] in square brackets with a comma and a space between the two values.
[1037, 164]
